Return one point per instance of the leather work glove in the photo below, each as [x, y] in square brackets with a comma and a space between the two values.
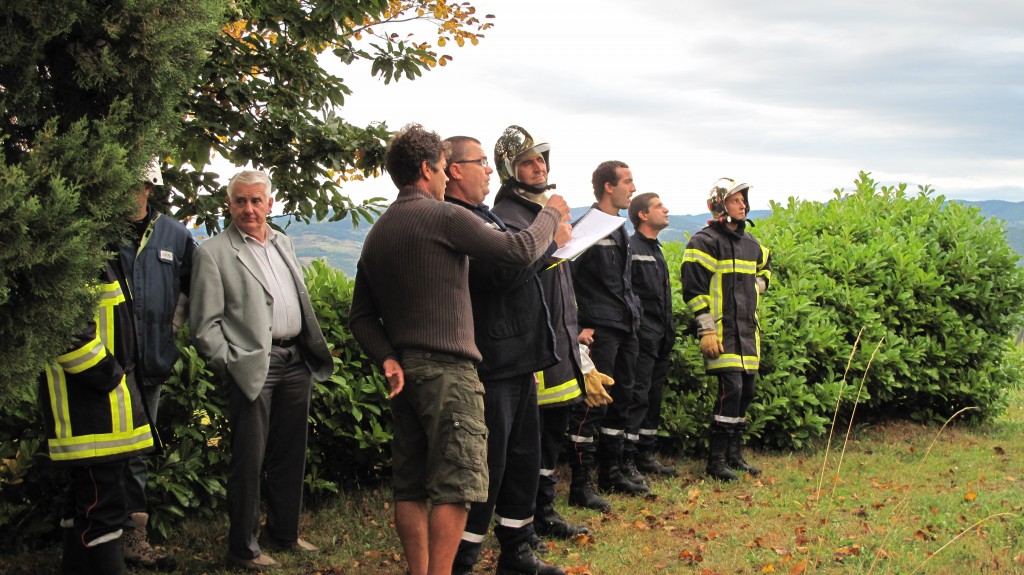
[595, 382]
[710, 345]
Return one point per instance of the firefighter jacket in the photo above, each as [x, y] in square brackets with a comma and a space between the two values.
[510, 318]
[159, 269]
[603, 280]
[652, 285]
[92, 409]
[561, 383]
[718, 275]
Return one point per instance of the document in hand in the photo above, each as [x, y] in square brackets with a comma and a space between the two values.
[595, 225]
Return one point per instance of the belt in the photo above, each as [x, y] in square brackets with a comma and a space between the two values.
[433, 355]
[283, 342]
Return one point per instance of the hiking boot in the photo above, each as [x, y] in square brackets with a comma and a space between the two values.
[521, 560]
[548, 523]
[137, 550]
[716, 458]
[734, 456]
[647, 463]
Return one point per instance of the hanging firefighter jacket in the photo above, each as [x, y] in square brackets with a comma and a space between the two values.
[91, 405]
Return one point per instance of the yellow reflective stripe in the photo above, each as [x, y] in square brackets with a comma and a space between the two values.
[58, 387]
[111, 294]
[699, 302]
[700, 258]
[120, 407]
[83, 358]
[742, 267]
[751, 362]
[100, 444]
[556, 394]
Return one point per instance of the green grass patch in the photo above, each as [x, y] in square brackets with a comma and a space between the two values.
[893, 507]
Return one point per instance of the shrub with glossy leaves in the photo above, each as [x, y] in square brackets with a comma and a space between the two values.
[934, 281]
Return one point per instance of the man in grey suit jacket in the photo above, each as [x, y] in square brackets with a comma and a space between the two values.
[251, 317]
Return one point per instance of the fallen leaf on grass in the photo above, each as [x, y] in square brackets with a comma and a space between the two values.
[690, 556]
[581, 539]
[799, 568]
[757, 542]
[847, 551]
[693, 494]
[970, 496]
[999, 450]
[769, 568]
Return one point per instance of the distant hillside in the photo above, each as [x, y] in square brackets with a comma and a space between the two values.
[339, 243]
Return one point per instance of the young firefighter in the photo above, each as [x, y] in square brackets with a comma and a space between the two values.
[725, 270]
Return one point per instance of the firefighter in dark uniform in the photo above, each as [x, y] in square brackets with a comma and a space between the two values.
[657, 332]
[724, 272]
[513, 333]
[609, 316]
[522, 163]
[95, 422]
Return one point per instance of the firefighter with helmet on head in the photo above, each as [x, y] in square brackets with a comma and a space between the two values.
[522, 161]
[724, 272]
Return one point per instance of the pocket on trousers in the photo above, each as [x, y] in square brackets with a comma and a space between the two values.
[467, 440]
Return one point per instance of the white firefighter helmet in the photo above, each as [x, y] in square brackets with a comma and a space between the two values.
[152, 174]
[721, 191]
[513, 146]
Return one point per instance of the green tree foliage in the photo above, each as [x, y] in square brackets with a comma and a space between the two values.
[87, 91]
[936, 282]
[91, 90]
[265, 97]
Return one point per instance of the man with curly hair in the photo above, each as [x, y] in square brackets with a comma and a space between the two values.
[412, 314]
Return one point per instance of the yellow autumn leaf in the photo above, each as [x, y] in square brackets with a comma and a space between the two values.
[970, 496]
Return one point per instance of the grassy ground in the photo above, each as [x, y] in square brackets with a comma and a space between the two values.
[895, 508]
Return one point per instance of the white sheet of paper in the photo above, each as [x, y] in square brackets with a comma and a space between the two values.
[593, 226]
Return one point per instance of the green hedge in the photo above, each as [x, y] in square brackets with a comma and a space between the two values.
[936, 280]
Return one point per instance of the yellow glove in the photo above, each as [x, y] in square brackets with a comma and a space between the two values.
[595, 382]
[710, 345]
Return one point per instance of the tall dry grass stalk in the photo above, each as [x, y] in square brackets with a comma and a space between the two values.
[846, 441]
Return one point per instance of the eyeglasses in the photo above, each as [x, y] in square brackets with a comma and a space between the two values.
[482, 161]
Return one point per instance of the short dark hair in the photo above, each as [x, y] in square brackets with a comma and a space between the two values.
[408, 149]
[640, 204]
[457, 150]
[606, 172]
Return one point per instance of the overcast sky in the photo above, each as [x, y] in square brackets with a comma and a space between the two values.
[793, 96]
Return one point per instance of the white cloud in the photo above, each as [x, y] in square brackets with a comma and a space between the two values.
[794, 96]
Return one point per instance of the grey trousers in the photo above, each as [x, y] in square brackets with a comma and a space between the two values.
[268, 442]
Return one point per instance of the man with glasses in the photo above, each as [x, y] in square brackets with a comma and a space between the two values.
[412, 314]
[513, 333]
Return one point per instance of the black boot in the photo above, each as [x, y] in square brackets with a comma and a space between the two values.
[73, 561]
[734, 458]
[716, 458]
[548, 523]
[581, 491]
[630, 471]
[521, 560]
[107, 558]
[647, 463]
[609, 471]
